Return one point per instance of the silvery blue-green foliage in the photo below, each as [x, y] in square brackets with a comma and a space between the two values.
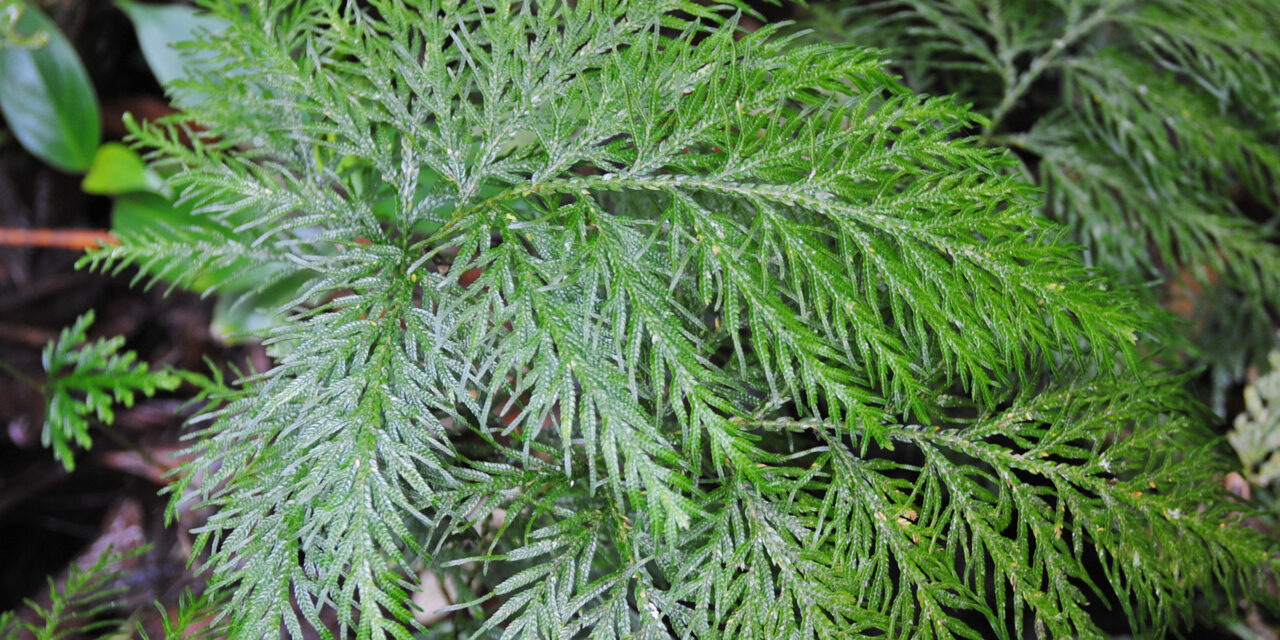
[1151, 124]
[632, 324]
[1256, 436]
[87, 380]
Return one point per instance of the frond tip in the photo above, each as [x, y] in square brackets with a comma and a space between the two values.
[989, 533]
[88, 379]
[82, 606]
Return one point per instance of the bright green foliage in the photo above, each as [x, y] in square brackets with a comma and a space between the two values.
[117, 171]
[731, 306]
[857, 544]
[1151, 124]
[87, 379]
[81, 608]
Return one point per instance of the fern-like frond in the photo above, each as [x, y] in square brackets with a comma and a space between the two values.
[1151, 124]
[82, 607]
[87, 380]
[1001, 517]
[195, 618]
[568, 263]
[337, 449]
[1225, 50]
[1179, 155]
[1092, 186]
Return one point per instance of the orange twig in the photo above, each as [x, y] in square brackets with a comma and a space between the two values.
[77, 239]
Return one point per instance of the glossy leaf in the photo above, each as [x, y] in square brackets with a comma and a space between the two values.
[117, 170]
[241, 316]
[48, 100]
[159, 29]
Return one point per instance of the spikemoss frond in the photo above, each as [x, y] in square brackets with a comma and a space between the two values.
[1151, 125]
[1000, 517]
[84, 605]
[644, 324]
[86, 381]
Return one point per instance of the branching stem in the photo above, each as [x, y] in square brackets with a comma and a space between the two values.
[1042, 63]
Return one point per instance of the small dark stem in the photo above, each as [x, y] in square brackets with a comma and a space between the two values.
[124, 442]
[20, 376]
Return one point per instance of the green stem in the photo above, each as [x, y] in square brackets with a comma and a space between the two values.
[1041, 64]
[20, 376]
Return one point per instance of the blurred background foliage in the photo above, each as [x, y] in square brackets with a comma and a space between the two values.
[1151, 126]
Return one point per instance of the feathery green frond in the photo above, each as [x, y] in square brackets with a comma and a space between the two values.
[636, 324]
[1151, 125]
[87, 380]
[196, 618]
[80, 608]
[999, 517]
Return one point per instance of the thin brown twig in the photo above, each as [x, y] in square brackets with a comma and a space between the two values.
[76, 239]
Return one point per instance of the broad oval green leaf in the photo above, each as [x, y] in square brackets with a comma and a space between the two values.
[159, 28]
[116, 170]
[252, 305]
[47, 99]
